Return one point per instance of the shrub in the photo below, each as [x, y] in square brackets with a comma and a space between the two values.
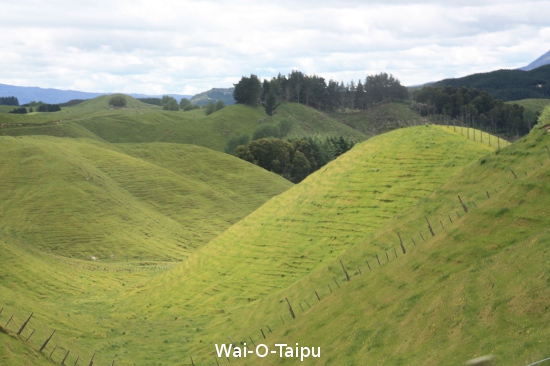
[117, 101]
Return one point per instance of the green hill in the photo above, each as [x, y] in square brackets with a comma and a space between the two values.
[536, 105]
[381, 118]
[297, 234]
[140, 122]
[507, 84]
[105, 305]
[84, 198]
[479, 286]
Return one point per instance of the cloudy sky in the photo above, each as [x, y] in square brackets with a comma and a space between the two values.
[185, 47]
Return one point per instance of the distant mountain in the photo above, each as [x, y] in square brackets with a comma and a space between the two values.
[541, 61]
[26, 94]
[215, 94]
[507, 84]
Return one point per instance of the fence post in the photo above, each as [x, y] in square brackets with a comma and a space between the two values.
[46, 341]
[429, 226]
[66, 355]
[463, 205]
[24, 325]
[92, 359]
[290, 308]
[402, 246]
[346, 272]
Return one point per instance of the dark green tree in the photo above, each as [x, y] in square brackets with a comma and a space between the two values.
[184, 102]
[271, 103]
[266, 130]
[169, 103]
[118, 101]
[248, 91]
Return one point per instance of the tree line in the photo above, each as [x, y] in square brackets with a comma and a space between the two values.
[316, 92]
[507, 85]
[40, 107]
[169, 103]
[294, 159]
[474, 108]
[12, 101]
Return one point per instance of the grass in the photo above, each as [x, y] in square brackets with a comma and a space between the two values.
[298, 233]
[536, 105]
[83, 198]
[479, 286]
[140, 122]
[381, 118]
[162, 316]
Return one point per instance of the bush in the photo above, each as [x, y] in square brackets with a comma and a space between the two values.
[117, 101]
[234, 142]
[20, 110]
[285, 126]
[265, 131]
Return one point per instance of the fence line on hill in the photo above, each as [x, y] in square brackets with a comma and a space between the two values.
[290, 313]
[40, 339]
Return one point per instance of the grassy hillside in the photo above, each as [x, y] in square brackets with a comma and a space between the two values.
[480, 286]
[536, 105]
[296, 234]
[382, 118]
[308, 121]
[163, 316]
[83, 198]
[140, 122]
[507, 84]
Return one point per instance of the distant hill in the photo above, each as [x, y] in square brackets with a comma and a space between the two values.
[215, 94]
[541, 61]
[507, 84]
[26, 94]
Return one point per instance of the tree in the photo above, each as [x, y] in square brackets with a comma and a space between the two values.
[184, 102]
[271, 103]
[210, 108]
[300, 167]
[220, 105]
[265, 131]
[169, 103]
[117, 101]
[248, 91]
[285, 126]
[13, 101]
[235, 142]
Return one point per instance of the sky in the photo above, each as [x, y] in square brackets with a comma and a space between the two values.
[186, 47]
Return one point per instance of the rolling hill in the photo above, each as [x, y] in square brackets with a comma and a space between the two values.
[479, 286]
[249, 239]
[104, 305]
[140, 122]
[295, 235]
[507, 84]
[82, 198]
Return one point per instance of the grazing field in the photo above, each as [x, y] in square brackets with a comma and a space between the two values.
[479, 286]
[82, 198]
[139, 122]
[298, 233]
[536, 105]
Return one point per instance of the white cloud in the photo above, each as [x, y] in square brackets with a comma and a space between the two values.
[191, 46]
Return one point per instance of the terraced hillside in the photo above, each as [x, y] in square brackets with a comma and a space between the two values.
[480, 286]
[237, 282]
[140, 122]
[298, 232]
[83, 198]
